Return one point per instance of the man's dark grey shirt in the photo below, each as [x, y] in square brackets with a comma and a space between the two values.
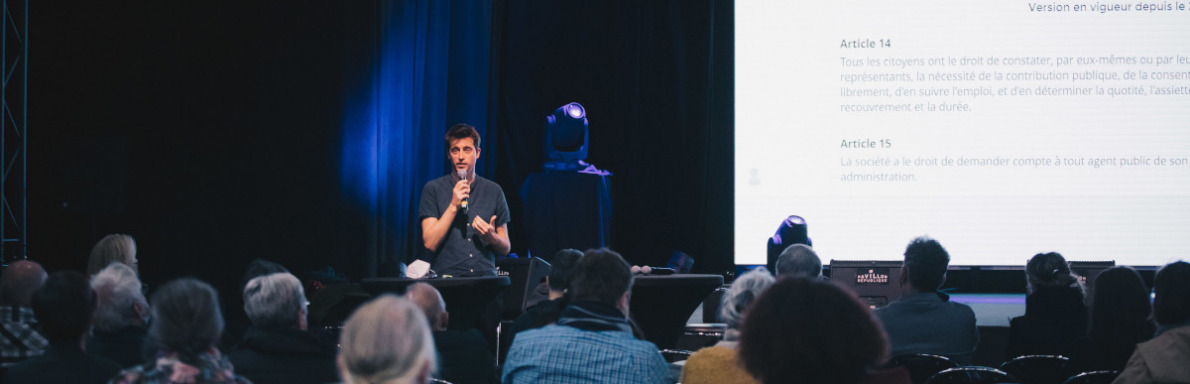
[463, 253]
[929, 322]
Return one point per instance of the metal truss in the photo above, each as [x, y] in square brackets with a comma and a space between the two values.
[14, 108]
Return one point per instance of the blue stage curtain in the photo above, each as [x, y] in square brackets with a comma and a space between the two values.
[426, 69]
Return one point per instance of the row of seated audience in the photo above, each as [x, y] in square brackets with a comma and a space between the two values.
[1112, 338]
[176, 341]
[795, 327]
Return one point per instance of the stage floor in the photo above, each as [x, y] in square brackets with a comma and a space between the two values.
[993, 309]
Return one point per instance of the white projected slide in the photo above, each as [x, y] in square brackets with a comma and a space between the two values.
[1000, 128]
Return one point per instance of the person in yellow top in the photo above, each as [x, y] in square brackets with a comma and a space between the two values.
[720, 363]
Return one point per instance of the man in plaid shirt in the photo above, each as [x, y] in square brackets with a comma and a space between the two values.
[19, 335]
[593, 342]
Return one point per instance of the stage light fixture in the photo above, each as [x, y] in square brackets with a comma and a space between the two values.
[566, 135]
[575, 110]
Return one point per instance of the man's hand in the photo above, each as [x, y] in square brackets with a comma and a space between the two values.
[462, 191]
[485, 229]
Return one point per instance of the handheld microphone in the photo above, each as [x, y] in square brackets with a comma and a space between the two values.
[463, 175]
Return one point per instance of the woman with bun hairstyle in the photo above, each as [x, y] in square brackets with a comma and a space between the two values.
[1055, 313]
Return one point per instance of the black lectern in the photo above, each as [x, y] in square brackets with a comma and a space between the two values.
[662, 304]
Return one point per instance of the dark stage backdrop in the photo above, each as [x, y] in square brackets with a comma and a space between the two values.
[656, 80]
[218, 132]
[210, 131]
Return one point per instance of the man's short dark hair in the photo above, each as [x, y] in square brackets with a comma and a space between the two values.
[64, 306]
[1171, 289]
[927, 262]
[799, 260]
[602, 276]
[562, 267]
[461, 131]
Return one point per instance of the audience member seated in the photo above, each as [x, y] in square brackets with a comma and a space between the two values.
[1164, 358]
[811, 331]
[121, 316]
[720, 363]
[278, 349]
[546, 312]
[1120, 312]
[186, 326]
[1055, 313]
[114, 248]
[386, 341]
[799, 260]
[592, 341]
[236, 323]
[64, 307]
[463, 355]
[21, 338]
[924, 320]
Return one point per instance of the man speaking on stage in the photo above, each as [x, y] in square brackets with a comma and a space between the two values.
[464, 217]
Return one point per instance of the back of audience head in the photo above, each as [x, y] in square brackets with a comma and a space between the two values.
[430, 301]
[186, 319]
[121, 303]
[809, 330]
[19, 281]
[925, 264]
[386, 341]
[63, 307]
[1049, 270]
[799, 260]
[604, 277]
[1120, 307]
[1171, 289]
[742, 293]
[114, 248]
[276, 301]
[561, 269]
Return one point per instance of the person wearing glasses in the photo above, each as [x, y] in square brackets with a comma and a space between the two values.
[279, 347]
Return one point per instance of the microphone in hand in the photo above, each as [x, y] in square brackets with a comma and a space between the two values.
[463, 176]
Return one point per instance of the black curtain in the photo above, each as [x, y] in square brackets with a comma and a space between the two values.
[218, 132]
[656, 80]
[209, 131]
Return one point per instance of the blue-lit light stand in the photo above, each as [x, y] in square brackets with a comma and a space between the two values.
[569, 205]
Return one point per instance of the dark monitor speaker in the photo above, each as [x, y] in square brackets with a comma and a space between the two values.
[526, 274]
[661, 305]
[877, 282]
